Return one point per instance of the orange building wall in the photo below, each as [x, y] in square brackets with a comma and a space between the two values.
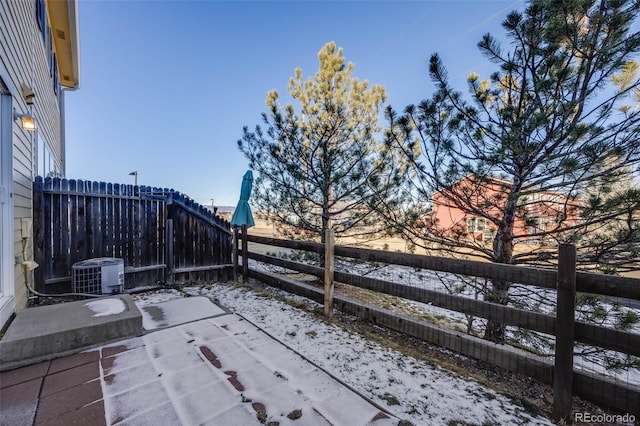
[447, 218]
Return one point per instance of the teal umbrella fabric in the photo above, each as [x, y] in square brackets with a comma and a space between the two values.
[242, 215]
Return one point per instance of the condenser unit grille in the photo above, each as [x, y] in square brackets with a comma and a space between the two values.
[87, 280]
[104, 275]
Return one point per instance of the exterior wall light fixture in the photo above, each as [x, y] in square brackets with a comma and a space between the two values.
[27, 122]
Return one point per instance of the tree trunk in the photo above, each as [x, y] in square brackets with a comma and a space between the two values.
[502, 253]
[326, 222]
[499, 294]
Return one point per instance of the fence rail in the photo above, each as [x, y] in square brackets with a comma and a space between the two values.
[161, 235]
[602, 390]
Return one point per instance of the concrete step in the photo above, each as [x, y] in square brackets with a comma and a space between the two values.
[48, 332]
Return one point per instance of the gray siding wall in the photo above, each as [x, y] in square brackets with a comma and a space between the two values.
[24, 60]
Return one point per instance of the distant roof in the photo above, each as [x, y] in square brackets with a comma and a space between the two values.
[222, 209]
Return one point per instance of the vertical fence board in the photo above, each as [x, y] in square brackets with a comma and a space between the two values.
[96, 219]
[88, 221]
[118, 245]
[191, 239]
[61, 231]
[109, 229]
[130, 242]
[235, 253]
[47, 255]
[76, 212]
[102, 220]
[81, 221]
[170, 247]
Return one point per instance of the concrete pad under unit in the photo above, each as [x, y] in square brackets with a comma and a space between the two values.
[48, 332]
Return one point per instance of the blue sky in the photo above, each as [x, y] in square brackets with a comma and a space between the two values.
[167, 86]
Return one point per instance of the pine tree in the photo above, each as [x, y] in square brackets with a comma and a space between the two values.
[552, 127]
[319, 163]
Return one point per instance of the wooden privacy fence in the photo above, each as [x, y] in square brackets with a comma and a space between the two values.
[162, 236]
[559, 371]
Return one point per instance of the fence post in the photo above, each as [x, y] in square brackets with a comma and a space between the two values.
[245, 255]
[235, 254]
[328, 272]
[565, 317]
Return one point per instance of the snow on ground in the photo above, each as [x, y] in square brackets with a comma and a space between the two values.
[104, 307]
[537, 299]
[412, 389]
[155, 297]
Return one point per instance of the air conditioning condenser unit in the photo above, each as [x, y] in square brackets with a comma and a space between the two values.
[102, 275]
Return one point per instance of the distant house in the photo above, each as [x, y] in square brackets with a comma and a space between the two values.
[225, 212]
[38, 62]
[537, 213]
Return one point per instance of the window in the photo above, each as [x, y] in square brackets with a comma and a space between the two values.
[41, 17]
[47, 42]
[49, 50]
[56, 81]
[488, 234]
[542, 224]
[45, 162]
[45, 31]
[537, 225]
[476, 224]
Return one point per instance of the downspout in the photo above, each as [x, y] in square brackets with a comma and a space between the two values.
[63, 132]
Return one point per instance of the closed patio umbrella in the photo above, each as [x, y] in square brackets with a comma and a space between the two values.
[242, 215]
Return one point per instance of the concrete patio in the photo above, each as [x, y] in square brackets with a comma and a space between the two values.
[47, 332]
[196, 364]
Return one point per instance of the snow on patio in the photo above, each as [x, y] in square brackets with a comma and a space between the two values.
[411, 389]
[104, 307]
[177, 311]
[221, 371]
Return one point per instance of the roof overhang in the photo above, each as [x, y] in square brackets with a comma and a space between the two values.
[63, 17]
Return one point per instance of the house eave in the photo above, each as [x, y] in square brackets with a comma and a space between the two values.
[63, 17]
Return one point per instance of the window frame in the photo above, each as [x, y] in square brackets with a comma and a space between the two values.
[476, 224]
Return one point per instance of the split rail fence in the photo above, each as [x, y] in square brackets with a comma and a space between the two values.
[161, 235]
[558, 370]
